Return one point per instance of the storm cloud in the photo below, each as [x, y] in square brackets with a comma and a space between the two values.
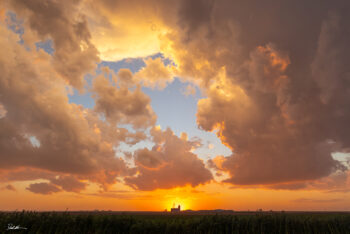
[274, 76]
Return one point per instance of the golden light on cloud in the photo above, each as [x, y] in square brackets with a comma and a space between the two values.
[277, 60]
[278, 101]
[2, 13]
[115, 44]
[125, 31]
[222, 88]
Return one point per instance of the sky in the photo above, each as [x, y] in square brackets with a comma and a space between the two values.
[146, 104]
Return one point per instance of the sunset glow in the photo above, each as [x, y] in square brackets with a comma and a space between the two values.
[142, 105]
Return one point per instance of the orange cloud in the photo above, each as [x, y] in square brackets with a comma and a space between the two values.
[278, 100]
[155, 74]
[64, 24]
[37, 106]
[120, 105]
[172, 166]
[122, 30]
[43, 188]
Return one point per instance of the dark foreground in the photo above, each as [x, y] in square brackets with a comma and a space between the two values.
[193, 222]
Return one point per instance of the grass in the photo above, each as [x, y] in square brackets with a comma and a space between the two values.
[89, 222]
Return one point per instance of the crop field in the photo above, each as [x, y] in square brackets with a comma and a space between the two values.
[114, 222]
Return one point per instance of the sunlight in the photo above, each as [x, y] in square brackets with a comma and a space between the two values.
[174, 203]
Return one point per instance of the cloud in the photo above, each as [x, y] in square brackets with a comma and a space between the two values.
[9, 187]
[77, 146]
[168, 164]
[264, 88]
[62, 182]
[307, 200]
[216, 163]
[128, 29]
[125, 77]
[265, 98]
[43, 188]
[189, 90]
[62, 22]
[123, 105]
[155, 74]
[148, 159]
[24, 174]
[275, 81]
[335, 183]
[72, 139]
[339, 181]
[289, 186]
[69, 183]
[3, 111]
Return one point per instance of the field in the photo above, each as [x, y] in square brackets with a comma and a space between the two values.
[185, 222]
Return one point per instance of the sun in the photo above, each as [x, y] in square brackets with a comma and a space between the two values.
[174, 203]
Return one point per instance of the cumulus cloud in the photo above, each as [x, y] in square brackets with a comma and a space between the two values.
[269, 145]
[168, 164]
[65, 24]
[155, 74]
[276, 100]
[276, 83]
[148, 159]
[75, 146]
[123, 105]
[72, 139]
[125, 77]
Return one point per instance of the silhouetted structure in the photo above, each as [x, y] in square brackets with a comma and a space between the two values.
[178, 209]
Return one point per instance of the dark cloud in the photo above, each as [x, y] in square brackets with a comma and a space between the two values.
[43, 188]
[194, 14]
[25, 174]
[277, 86]
[275, 75]
[69, 183]
[149, 159]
